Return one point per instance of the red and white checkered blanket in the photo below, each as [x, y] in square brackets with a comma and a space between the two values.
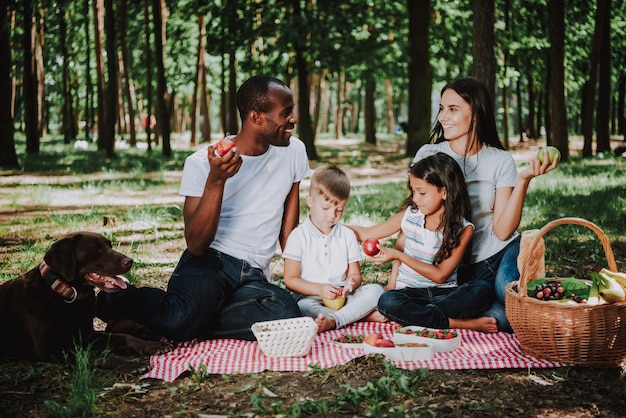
[477, 351]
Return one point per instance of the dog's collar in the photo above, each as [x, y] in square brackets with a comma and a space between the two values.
[56, 283]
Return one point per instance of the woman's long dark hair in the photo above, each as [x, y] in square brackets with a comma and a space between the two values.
[474, 92]
[441, 170]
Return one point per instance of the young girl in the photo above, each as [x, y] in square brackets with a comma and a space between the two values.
[435, 233]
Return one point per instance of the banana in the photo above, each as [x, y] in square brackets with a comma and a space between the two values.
[620, 277]
[610, 289]
[594, 297]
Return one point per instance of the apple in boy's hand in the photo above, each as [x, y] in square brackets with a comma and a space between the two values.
[222, 147]
[370, 247]
[552, 151]
[336, 303]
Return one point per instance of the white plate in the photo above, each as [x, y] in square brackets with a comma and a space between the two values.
[358, 346]
[399, 353]
[442, 346]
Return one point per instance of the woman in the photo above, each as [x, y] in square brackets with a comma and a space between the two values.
[466, 130]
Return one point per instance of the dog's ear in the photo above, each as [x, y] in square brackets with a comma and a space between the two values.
[60, 258]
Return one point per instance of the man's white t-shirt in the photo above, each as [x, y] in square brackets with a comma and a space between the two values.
[323, 258]
[254, 199]
[486, 171]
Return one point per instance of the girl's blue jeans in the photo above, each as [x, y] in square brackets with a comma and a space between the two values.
[499, 270]
[433, 306]
[209, 296]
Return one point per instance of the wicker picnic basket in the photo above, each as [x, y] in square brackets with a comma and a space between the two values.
[291, 337]
[581, 334]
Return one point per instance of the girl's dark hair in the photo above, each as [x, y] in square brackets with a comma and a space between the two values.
[441, 170]
[474, 92]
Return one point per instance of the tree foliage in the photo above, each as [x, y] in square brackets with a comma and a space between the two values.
[94, 70]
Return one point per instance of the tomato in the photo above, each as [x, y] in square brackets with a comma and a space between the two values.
[222, 147]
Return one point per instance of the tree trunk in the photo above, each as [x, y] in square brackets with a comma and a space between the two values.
[389, 101]
[318, 102]
[305, 125]
[147, 125]
[558, 117]
[111, 88]
[159, 9]
[484, 63]
[326, 105]
[589, 88]
[205, 102]
[603, 137]
[197, 83]
[420, 76]
[98, 12]
[370, 112]
[532, 130]
[233, 118]
[38, 36]
[520, 107]
[341, 86]
[68, 118]
[88, 87]
[8, 156]
[129, 87]
[30, 83]
[621, 97]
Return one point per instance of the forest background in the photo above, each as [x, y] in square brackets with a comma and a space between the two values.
[97, 71]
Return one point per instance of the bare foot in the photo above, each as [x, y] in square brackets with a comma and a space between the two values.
[482, 324]
[375, 316]
[325, 323]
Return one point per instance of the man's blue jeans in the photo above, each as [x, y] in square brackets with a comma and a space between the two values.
[433, 306]
[209, 296]
[499, 270]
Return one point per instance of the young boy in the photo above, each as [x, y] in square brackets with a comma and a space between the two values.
[322, 258]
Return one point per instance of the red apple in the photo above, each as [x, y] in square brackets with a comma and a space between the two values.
[372, 338]
[222, 147]
[552, 152]
[370, 247]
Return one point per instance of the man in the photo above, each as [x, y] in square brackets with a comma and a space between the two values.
[236, 207]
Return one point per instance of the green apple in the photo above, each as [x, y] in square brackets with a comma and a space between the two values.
[552, 151]
[335, 303]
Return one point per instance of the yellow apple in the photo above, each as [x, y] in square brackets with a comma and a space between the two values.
[335, 303]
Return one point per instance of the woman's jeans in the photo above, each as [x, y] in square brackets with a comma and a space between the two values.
[499, 270]
[433, 306]
[209, 296]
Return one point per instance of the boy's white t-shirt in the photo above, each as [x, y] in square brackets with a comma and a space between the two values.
[253, 201]
[489, 169]
[323, 258]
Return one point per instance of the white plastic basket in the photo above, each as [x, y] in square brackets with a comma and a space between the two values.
[291, 337]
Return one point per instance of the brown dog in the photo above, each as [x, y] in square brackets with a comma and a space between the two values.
[47, 310]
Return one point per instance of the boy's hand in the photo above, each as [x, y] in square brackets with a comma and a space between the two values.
[329, 291]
